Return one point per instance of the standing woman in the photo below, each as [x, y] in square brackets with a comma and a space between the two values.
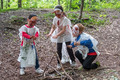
[61, 32]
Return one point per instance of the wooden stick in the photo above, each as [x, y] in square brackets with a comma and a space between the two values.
[55, 70]
[47, 65]
[43, 74]
[63, 68]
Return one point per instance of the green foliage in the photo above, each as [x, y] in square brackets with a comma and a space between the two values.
[76, 4]
[5, 10]
[115, 17]
[48, 15]
[93, 5]
[104, 4]
[95, 9]
[17, 20]
[10, 34]
[72, 15]
[91, 21]
[88, 18]
[100, 22]
[103, 15]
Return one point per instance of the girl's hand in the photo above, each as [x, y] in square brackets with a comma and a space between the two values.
[55, 36]
[31, 37]
[34, 38]
[48, 35]
[69, 46]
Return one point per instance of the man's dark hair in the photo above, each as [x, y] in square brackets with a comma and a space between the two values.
[59, 7]
[31, 15]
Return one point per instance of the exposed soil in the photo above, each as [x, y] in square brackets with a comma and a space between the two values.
[109, 43]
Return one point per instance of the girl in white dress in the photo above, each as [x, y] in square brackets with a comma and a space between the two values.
[61, 32]
[28, 55]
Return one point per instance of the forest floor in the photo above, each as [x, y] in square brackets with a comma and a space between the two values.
[107, 35]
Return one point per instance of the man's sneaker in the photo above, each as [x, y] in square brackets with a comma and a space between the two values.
[98, 63]
[39, 70]
[22, 72]
[58, 66]
[73, 63]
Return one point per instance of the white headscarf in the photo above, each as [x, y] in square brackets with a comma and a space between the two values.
[75, 30]
[58, 9]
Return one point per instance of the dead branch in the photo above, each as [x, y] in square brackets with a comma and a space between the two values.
[47, 65]
[48, 77]
[55, 69]
[63, 68]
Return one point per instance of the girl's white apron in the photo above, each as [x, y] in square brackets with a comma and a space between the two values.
[27, 56]
[65, 37]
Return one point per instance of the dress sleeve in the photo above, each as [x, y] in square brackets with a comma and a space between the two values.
[88, 43]
[24, 34]
[37, 34]
[54, 19]
[22, 29]
[66, 22]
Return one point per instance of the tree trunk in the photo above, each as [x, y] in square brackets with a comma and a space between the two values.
[70, 4]
[1, 4]
[67, 4]
[8, 3]
[19, 3]
[90, 3]
[58, 2]
[81, 9]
